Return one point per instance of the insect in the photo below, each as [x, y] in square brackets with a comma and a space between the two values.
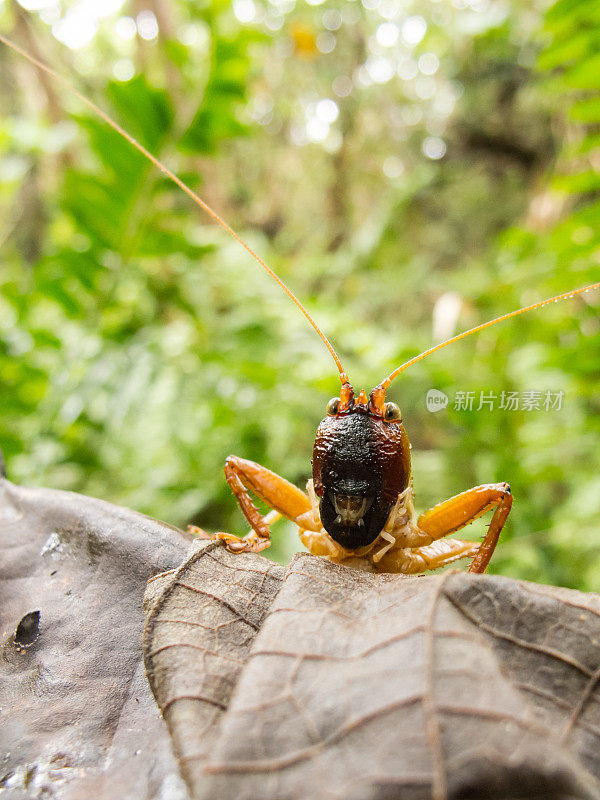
[358, 507]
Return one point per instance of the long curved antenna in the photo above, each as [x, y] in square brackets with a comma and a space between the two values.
[384, 384]
[198, 200]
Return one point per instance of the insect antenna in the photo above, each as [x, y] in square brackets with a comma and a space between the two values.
[565, 296]
[183, 186]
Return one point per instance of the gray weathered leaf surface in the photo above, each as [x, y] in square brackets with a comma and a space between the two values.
[77, 718]
[345, 684]
[202, 623]
[314, 682]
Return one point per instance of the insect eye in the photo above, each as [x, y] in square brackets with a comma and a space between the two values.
[333, 406]
[392, 411]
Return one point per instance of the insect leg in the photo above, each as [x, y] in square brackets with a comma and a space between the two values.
[412, 560]
[200, 533]
[464, 508]
[244, 476]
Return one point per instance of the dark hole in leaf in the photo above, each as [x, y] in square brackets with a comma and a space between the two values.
[28, 629]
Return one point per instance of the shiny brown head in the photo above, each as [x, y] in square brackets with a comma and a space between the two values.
[361, 463]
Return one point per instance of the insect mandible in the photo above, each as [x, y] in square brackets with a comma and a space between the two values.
[358, 507]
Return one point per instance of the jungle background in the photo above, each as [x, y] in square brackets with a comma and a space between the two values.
[410, 167]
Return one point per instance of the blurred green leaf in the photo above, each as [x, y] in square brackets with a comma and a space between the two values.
[139, 346]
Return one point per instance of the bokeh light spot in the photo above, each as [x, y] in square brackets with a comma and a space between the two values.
[342, 86]
[327, 110]
[147, 24]
[332, 19]
[429, 63]
[124, 70]
[434, 147]
[326, 42]
[393, 167]
[244, 10]
[413, 30]
[387, 34]
[380, 69]
[125, 28]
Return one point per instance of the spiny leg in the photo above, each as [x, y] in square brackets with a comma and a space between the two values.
[464, 508]
[284, 498]
[200, 533]
[412, 560]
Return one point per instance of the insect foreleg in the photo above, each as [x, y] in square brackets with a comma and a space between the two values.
[244, 476]
[412, 560]
[268, 519]
[464, 508]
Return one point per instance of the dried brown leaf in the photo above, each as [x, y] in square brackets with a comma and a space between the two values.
[201, 625]
[323, 682]
[354, 685]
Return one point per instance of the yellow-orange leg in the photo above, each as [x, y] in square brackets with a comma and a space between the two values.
[454, 514]
[281, 495]
[412, 560]
[268, 519]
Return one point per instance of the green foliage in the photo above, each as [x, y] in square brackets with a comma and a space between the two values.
[139, 346]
